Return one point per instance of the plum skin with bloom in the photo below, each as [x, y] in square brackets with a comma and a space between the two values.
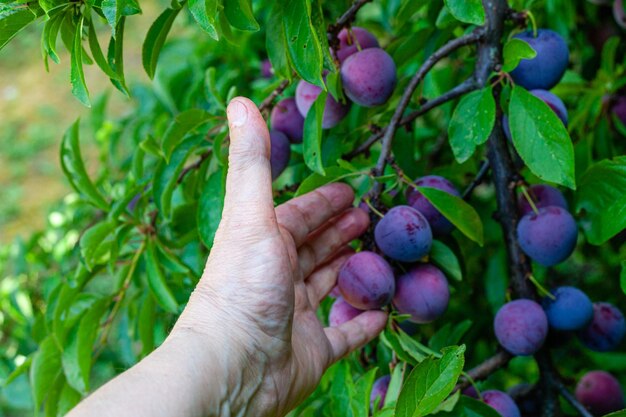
[369, 77]
[334, 112]
[546, 69]
[502, 403]
[521, 327]
[570, 310]
[403, 234]
[366, 281]
[280, 152]
[286, 118]
[548, 236]
[422, 292]
[348, 42]
[600, 393]
[543, 195]
[341, 312]
[438, 223]
[606, 330]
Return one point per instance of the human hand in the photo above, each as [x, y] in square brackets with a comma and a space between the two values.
[266, 275]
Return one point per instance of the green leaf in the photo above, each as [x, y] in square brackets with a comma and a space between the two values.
[276, 42]
[12, 21]
[430, 383]
[77, 355]
[210, 206]
[239, 15]
[514, 51]
[77, 76]
[72, 163]
[50, 35]
[204, 12]
[95, 244]
[457, 211]
[157, 282]
[46, 367]
[304, 48]
[115, 56]
[472, 123]
[621, 413]
[449, 335]
[68, 399]
[166, 174]
[145, 324]
[312, 135]
[315, 180]
[602, 196]
[442, 256]
[541, 139]
[404, 353]
[182, 124]
[114, 10]
[155, 39]
[96, 51]
[467, 11]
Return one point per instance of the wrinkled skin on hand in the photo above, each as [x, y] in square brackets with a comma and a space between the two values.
[266, 275]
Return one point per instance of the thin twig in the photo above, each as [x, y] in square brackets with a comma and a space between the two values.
[478, 179]
[485, 369]
[266, 104]
[572, 400]
[346, 18]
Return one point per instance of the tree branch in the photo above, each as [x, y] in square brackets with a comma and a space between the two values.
[266, 104]
[478, 179]
[572, 400]
[390, 131]
[485, 369]
[345, 19]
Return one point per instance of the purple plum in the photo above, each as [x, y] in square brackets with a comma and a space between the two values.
[334, 112]
[600, 393]
[369, 77]
[549, 236]
[618, 13]
[379, 390]
[546, 69]
[521, 327]
[570, 309]
[438, 223]
[606, 330]
[422, 292]
[366, 281]
[266, 69]
[280, 152]
[502, 403]
[341, 312]
[403, 234]
[619, 109]
[543, 195]
[286, 118]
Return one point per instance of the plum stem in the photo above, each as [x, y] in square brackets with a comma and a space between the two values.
[540, 288]
[371, 206]
[529, 199]
[533, 22]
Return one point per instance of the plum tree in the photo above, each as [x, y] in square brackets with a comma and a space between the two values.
[379, 390]
[570, 309]
[280, 152]
[366, 281]
[341, 312]
[354, 40]
[422, 292]
[606, 330]
[549, 236]
[403, 234]
[553, 101]
[369, 77]
[545, 70]
[543, 195]
[502, 403]
[521, 327]
[600, 393]
[334, 112]
[618, 13]
[286, 118]
[438, 223]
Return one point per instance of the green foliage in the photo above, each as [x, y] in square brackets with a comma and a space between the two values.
[100, 287]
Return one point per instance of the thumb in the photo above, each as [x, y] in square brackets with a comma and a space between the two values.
[248, 197]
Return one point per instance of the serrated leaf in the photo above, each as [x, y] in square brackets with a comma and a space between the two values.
[442, 256]
[467, 11]
[210, 206]
[312, 135]
[514, 51]
[157, 282]
[74, 168]
[204, 12]
[77, 76]
[157, 34]
[304, 48]
[471, 123]
[430, 383]
[541, 139]
[457, 211]
[602, 196]
[239, 15]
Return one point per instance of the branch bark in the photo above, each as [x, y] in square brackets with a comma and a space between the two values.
[485, 369]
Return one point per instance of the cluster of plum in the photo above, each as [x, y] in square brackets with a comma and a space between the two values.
[368, 76]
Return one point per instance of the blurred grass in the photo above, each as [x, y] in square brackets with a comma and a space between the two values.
[36, 107]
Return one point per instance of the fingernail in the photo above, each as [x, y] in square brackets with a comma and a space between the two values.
[237, 113]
